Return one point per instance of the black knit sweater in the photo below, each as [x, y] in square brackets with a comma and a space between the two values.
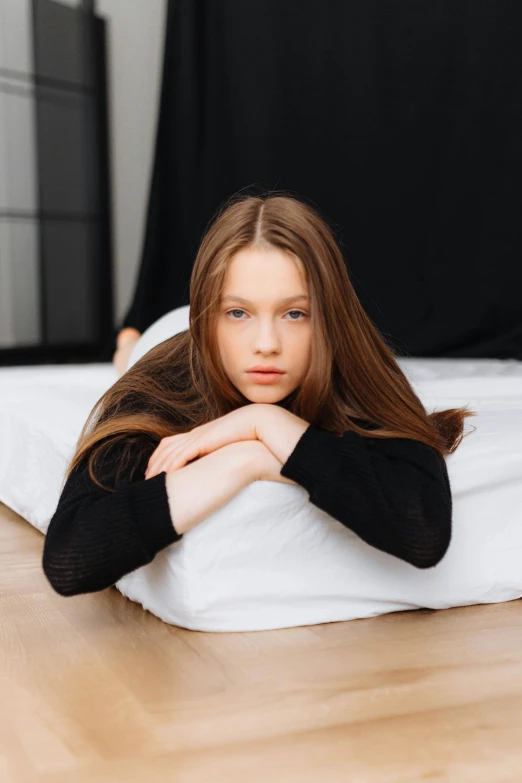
[394, 493]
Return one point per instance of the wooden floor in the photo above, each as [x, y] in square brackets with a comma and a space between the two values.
[94, 688]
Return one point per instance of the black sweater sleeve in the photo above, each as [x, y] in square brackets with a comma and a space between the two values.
[97, 536]
[393, 493]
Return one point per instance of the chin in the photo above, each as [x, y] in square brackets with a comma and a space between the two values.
[266, 396]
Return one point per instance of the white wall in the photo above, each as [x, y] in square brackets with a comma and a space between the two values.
[135, 34]
[135, 30]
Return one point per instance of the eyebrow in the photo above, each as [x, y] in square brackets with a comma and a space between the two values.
[286, 300]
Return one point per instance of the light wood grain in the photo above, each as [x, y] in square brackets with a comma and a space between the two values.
[96, 689]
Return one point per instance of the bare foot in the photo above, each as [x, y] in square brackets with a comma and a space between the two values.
[125, 342]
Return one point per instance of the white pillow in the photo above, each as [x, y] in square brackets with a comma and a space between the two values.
[167, 326]
[42, 412]
[269, 558]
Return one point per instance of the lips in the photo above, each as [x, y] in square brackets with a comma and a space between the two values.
[268, 370]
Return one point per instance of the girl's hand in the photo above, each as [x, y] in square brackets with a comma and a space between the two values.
[175, 451]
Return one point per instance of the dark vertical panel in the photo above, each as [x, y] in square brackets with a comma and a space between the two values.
[65, 162]
[70, 281]
[62, 89]
[73, 174]
[100, 169]
[61, 48]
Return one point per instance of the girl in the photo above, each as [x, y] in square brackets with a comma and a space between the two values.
[280, 377]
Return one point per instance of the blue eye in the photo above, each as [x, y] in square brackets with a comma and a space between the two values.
[238, 310]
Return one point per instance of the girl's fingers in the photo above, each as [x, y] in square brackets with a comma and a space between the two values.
[169, 461]
[158, 467]
[166, 466]
[160, 455]
[173, 455]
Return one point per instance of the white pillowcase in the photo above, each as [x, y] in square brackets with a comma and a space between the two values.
[42, 412]
[269, 558]
[165, 327]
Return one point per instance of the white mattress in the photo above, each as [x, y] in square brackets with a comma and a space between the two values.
[43, 408]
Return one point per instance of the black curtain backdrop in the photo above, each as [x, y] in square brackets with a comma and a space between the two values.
[401, 121]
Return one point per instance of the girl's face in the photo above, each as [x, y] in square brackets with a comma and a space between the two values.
[265, 319]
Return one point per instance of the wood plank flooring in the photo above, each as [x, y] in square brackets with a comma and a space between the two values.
[94, 689]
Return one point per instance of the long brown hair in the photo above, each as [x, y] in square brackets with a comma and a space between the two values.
[353, 373]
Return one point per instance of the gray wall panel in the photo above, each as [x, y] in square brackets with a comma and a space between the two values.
[20, 315]
[54, 198]
[18, 189]
[7, 335]
[16, 36]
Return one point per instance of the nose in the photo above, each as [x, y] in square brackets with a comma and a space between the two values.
[267, 338]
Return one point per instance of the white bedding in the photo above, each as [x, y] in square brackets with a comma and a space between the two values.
[286, 562]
